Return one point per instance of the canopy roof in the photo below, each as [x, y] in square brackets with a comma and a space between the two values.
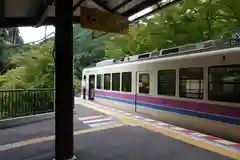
[42, 12]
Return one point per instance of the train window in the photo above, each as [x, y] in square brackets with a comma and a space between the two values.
[191, 83]
[99, 81]
[107, 81]
[224, 83]
[144, 81]
[167, 82]
[126, 82]
[116, 81]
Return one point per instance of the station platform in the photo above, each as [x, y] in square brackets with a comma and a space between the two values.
[103, 133]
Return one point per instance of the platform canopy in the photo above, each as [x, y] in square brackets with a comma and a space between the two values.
[42, 12]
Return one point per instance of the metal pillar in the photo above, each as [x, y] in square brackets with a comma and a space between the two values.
[54, 91]
[64, 80]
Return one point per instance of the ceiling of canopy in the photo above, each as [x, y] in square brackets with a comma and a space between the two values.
[39, 12]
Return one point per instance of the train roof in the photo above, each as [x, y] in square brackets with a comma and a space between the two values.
[211, 45]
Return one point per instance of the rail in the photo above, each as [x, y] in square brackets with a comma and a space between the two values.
[18, 102]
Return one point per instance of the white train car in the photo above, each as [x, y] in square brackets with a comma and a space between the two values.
[196, 88]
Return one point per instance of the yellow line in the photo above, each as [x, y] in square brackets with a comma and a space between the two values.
[198, 143]
[49, 138]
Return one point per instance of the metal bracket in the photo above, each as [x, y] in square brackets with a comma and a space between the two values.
[78, 4]
[42, 12]
[103, 6]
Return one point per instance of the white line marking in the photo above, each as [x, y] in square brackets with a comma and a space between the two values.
[91, 117]
[225, 142]
[178, 128]
[138, 116]
[149, 120]
[161, 124]
[198, 134]
[120, 111]
[97, 120]
[103, 124]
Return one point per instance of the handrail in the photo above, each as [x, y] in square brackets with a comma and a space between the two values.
[19, 102]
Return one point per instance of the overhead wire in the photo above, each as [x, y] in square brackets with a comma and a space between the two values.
[33, 42]
[19, 45]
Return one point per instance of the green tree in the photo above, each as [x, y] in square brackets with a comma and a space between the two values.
[86, 50]
[7, 38]
[134, 42]
[12, 35]
[35, 69]
[184, 23]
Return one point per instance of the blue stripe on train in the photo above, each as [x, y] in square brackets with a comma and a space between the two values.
[176, 110]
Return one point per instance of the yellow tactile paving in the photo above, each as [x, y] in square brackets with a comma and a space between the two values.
[198, 143]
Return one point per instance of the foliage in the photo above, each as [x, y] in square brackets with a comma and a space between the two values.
[12, 35]
[8, 37]
[134, 42]
[77, 86]
[86, 50]
[187, 22]
[34, 69]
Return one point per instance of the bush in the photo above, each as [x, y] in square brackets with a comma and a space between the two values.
[77, 86]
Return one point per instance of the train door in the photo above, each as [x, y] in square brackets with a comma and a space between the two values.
[84, 85]
[91, 87]
[142, 86]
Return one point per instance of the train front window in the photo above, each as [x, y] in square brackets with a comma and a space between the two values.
[224, 84]
[191, 83]
[144, 83]
[107, 81]
[116, 81]
[167, 82]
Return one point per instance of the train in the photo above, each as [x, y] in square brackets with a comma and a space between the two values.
[195, 86]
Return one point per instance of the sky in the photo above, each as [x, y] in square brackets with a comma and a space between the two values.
[31, 34]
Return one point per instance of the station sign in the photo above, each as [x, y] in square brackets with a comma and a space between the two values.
[95, 19]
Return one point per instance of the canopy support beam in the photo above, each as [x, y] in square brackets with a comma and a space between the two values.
[41, 12]
[64, 80]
